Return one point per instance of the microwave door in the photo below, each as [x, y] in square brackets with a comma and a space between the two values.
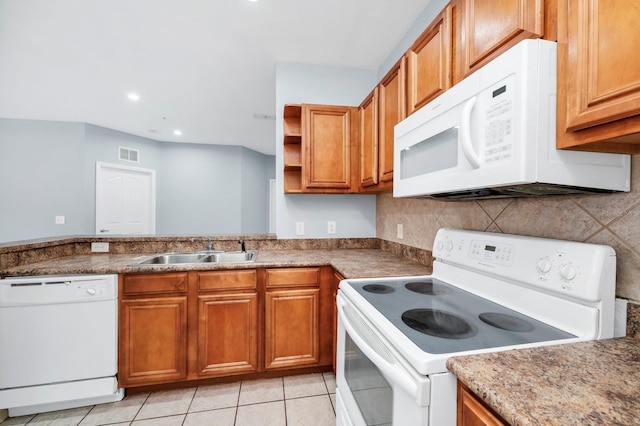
[440, 155]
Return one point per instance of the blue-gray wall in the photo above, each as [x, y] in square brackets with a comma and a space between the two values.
[48, 169]
[41, 177]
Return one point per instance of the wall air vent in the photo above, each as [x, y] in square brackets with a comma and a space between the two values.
[128, 154]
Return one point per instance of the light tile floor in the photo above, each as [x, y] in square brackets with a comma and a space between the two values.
[302, 400]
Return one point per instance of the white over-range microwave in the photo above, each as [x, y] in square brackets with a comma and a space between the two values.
[493, 135]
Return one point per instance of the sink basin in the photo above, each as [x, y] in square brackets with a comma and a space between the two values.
[232, 257]
[201, 257]
[173, 258]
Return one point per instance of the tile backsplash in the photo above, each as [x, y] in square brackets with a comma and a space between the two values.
[611, 219]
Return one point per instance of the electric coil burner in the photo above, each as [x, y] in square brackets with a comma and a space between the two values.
[488, 292]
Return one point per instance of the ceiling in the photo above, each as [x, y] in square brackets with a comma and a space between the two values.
[205, 67]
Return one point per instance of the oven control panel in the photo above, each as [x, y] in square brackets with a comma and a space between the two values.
[491, 251]
[573, 269]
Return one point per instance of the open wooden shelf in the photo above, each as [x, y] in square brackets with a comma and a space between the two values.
[292, 121]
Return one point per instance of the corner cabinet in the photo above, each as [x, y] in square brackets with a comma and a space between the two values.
[599, 75]
[473, 412]
[320, 149]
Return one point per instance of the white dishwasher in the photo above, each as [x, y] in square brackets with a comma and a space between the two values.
[58, 342]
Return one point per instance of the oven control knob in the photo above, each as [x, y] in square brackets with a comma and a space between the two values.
[440, 245]
[544, 265]
[449, 246]
[568, 272]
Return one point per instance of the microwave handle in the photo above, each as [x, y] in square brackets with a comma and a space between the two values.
[465, 130]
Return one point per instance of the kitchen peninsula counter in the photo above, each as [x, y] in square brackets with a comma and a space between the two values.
[350, 263]
[589, 383]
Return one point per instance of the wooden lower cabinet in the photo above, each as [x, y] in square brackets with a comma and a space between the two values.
[178, 327]
[153, 340]
[473, 412]
[227, 334]
[291, 321]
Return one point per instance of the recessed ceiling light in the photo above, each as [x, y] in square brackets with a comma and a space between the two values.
[253, 1]
[177, 132]
[133, 96]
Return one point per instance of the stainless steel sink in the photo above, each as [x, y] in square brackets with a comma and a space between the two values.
[173, 258]
[232, 257]
[201, 257]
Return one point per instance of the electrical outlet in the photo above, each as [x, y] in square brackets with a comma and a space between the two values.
[60, 220]
[400, 231]
[331, 227]
[299, 228]
[100, 247]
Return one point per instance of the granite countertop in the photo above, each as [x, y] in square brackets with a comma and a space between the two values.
[351, 263]
[589, 383]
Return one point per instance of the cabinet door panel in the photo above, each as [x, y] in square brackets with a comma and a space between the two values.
[291, 321]
[492, 26]
[429, 63]
[604, 73]
[368, 111]
[227, 334]
[153, 340]
[391, 100]
[327, 147]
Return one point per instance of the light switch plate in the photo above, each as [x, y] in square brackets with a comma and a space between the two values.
[400, 231]
[299, 228]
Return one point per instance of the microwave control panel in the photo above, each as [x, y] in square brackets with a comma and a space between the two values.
[498, 116]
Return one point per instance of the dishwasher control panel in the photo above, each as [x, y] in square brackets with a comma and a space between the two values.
[48, 290]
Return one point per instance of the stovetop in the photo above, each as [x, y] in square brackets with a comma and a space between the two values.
[440, 318]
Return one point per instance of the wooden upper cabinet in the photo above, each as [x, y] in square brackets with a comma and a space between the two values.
[379, 113]
[429, 62]
[329, 137]
[392, 110]
[368, 112]
[599, 75]
[489, 27]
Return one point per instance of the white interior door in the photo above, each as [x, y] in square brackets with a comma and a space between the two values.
[125, 200]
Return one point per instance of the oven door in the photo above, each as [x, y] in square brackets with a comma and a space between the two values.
[374, 385]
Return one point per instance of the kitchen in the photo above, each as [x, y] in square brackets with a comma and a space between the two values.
[600, 219]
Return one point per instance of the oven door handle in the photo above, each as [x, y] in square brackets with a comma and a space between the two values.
[387, 363]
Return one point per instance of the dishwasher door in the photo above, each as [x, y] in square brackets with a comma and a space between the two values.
[57, 329]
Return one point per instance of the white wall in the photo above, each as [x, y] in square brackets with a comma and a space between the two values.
[354, 214]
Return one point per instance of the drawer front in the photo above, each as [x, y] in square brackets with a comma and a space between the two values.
[227, 280]
[297, 277]
[154, 283]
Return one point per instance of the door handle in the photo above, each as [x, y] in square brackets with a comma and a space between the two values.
[465, 136]
[104, 230]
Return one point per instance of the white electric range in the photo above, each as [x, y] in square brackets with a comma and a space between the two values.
[488, 292]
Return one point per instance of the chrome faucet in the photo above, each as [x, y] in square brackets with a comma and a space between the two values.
[242, 246]
[209, 246]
